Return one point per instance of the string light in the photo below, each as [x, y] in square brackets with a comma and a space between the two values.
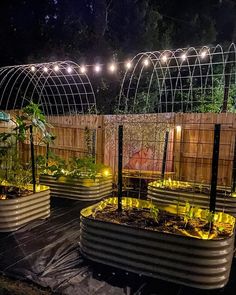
[164, 58]
[112, 67]
[128, 65]
[69, 70]
[183, 56]
[97, 68]
[56, 68]
[33, 69]
[203, 54]
[146, 62]
[83, 69]
[45, 69]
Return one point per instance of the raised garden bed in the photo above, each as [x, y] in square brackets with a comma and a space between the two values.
[171, 192]
[19, 207]
[163, 244]
[82, 189]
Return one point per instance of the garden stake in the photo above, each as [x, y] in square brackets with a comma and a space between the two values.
[47, 154]
[234, 169]
[32, 157]
[164, 156]
[120, 160]
[214, 167]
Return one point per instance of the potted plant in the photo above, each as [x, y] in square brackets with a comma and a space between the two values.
[22, 199]
[180, 244]
[78, 178]
[170, 191]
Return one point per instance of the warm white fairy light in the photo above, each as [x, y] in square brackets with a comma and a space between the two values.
[97, 68]
[33, 69]
[146, 62]
[178, 128]
[183, 56]
[164, 58]
[82, 69]
[56, 68]
[45, 69]
[203, 54]
[112, 67]
[128, 65]
[69, 70]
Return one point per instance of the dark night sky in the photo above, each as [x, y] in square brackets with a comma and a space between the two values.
[43, 30]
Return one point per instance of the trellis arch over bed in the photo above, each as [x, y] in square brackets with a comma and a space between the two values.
[183, 80]
[59, 87]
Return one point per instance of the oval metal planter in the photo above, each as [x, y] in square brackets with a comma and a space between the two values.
[198, 263]
[78, 189]
[164, 196]
[15, 213]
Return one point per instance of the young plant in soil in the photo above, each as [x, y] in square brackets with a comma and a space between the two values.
[18, 175]
[191, 221]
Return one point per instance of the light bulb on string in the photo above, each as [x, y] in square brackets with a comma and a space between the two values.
[33, 69]
[56, 68]
[82, 69]
[203, 54]
[45, 69]
[164, 58]
[128, 65]
[146, 62]
[97, 68]
[112, 68]
[69, 70]
[184, 56]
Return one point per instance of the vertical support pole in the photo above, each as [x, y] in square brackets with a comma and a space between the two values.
[32, 157]
[120, 160]
[214, 167]
[164, 156]
[234, 169]
[47, 154]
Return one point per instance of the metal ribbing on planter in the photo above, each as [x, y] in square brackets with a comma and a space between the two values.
[76, 189]
[184, 260]
[163, 196]
[17, 212]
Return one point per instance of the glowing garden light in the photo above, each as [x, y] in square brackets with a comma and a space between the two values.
[164, 58]
[112, 68]
[97, 68]
[82, 69]
[184, 56]
[178, 128]
[33, 69]
[146, 62]
[69, 70]
[128, 65]
[56, 68]
[203, 54]
[45, 69]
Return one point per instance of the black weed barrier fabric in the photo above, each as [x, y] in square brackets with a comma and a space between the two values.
[47, 253]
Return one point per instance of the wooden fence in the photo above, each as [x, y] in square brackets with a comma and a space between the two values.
[190, 144]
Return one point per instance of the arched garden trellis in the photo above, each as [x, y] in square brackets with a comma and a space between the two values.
[183, 80]
[58, 87]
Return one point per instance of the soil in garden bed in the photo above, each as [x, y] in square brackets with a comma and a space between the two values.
[164, 221]
[12, 192]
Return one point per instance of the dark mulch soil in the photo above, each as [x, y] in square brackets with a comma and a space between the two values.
[12, 192]
[163, 222]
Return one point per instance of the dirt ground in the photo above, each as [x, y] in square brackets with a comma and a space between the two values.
[15, 287]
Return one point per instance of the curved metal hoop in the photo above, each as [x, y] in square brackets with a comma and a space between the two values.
[59, 87]
[182, 80]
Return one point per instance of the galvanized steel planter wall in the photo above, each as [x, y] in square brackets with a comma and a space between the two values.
[78, 189]
[164, 196]
[17, 212]
[184, 260]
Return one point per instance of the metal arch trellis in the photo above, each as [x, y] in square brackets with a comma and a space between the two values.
[59, 87]
[183, 80]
